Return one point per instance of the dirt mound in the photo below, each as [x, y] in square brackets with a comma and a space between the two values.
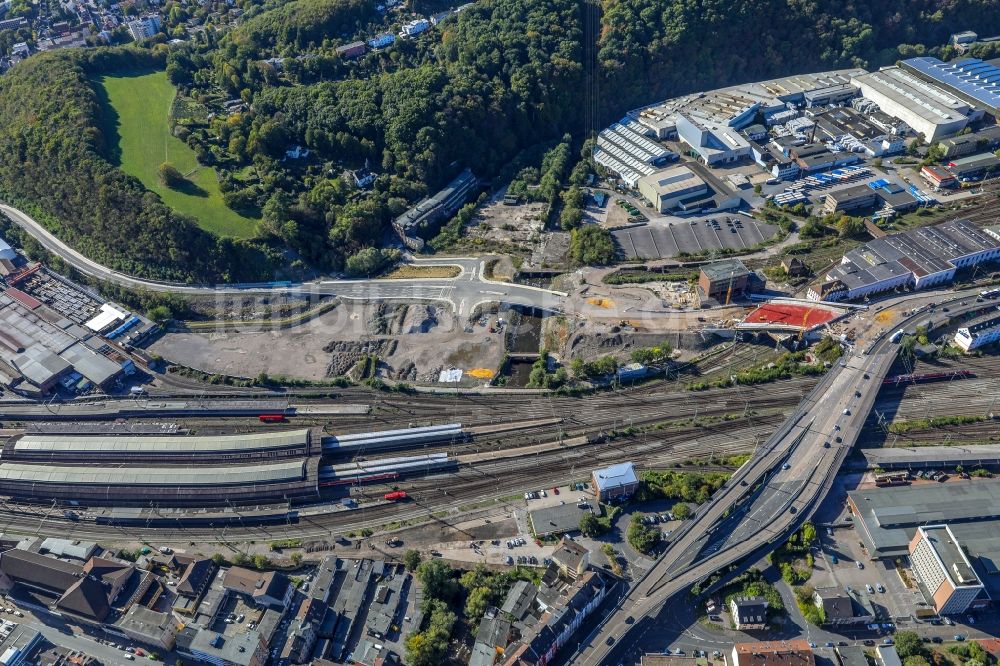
[344, 354]
[420, 319]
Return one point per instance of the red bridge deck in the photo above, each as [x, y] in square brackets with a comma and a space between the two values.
[789, 314]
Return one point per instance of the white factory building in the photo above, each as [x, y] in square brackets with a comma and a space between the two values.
[714, 141]
[979, 332]
[737, 106]
[925, 107]
[710, 123]
[665, 190]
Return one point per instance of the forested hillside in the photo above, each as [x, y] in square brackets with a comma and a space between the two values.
[504, 76]
[652, 49]
[304, 22]
[483, 86]
[52, 162]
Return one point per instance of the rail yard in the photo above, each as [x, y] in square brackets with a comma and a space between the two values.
[710, 422]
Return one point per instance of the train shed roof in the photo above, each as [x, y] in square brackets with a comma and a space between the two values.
[154, 476]
[161, 444]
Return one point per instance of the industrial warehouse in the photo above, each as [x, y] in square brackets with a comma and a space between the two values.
[682, 156]
[950, 531]
[916, 259]
[54, 336]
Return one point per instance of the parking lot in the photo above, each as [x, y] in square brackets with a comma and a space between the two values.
[893, 600]
[661, 239]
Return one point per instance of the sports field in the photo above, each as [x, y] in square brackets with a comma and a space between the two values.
[139, 106]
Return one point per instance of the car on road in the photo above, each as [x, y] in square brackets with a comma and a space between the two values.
[629, 620]
[880, 587]
[812, 645]
[871, 590]
[959, 637]
[887, 641]
[860, 566]
[869, 642]
[610, 641]
[936, 639]
[786, 466]
[829, 643]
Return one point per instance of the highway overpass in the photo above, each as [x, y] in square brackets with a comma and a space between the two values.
[769, 497]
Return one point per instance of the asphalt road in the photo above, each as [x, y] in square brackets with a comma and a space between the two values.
[795, 466]
[464, 292]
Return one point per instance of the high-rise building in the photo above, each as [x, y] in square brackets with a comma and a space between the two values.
[944, 569]
[145, 27]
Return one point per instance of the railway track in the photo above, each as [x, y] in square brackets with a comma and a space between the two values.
[617, 416]
[437, 497]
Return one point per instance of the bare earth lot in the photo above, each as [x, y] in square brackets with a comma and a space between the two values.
[332, 343]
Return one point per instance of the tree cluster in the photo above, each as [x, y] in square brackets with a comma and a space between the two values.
[686, 486]
[640, 536]
[591, 245]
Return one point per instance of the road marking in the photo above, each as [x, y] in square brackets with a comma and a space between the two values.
[461, 307]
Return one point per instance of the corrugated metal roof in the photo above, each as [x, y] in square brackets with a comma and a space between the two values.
[153, 476]
[82, 443]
